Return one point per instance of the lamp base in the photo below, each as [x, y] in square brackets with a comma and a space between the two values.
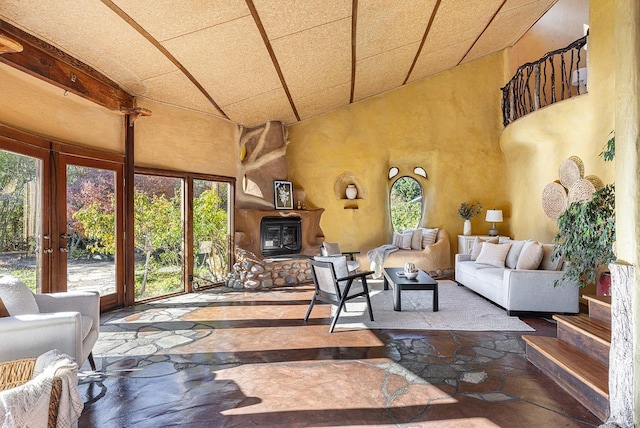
[493, 232]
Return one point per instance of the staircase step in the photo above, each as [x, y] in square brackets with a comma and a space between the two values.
[599, 307]
[591, 336]
[586, 379]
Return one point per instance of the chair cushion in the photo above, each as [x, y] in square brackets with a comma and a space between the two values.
[17, 297]
[87, 323]
[530, 256]
[493, 254]
[3, 310]
[330, 249]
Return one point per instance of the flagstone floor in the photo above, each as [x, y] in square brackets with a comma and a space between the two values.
[225, 358]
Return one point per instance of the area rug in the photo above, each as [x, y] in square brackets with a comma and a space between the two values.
[459, 309]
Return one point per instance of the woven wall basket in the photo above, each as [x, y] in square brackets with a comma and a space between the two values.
[554, 199]
[595, 180]
[570, 171]
[581, 190]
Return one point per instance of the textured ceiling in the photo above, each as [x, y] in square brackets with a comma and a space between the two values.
[258, 60]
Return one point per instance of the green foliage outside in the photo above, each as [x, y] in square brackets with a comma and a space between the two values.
[406, 204]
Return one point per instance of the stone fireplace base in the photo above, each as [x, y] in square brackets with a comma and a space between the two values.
[252, 272]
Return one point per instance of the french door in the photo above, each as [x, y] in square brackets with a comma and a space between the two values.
[61, 214]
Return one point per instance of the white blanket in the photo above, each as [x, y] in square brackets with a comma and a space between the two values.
[28, 404]
[378, 256]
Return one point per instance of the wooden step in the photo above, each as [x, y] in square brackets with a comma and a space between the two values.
[586, 379]
[591, 336]
[599, 308]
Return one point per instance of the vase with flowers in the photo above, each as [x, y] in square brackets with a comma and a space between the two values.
[467, 211]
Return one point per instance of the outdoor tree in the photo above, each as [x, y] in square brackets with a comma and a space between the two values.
[406, 204]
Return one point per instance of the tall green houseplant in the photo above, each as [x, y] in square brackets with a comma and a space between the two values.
[586, 233]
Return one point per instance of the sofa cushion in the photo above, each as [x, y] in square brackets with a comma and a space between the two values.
[547, 262]
[429, 237]
[402, 240]
[416, 239]
[477, 246]
[331, 249]
[493, 254]
[530, 256]
[17, 297]
[514, 252]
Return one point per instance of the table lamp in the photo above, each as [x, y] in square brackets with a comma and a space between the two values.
[494, 216]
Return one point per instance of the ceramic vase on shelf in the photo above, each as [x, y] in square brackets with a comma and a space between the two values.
[467, 228]
[352, 191]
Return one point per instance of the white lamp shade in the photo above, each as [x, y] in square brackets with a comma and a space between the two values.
[494, 216]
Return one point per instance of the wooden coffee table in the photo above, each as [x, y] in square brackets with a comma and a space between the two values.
[399, 283]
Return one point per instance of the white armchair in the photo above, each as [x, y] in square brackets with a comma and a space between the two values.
[68, 322]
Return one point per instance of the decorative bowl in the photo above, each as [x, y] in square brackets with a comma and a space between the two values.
[411, 275]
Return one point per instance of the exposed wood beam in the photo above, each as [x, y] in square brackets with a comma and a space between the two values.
[274, 60]
[482, 32]
[144, 33]
[354, 40]
[39, 59]
[424, 39]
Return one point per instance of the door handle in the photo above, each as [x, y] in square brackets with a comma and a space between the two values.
[64, 250]
[48, 250]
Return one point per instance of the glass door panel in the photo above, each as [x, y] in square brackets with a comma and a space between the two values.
[21, 218]
[158, 236]
[90, 229]
[211, 236]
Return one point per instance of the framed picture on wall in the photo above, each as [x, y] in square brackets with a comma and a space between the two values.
[283, 197]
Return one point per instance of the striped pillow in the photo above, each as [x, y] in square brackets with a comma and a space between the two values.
[429, 237]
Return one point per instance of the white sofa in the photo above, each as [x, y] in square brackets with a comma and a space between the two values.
[520, 291]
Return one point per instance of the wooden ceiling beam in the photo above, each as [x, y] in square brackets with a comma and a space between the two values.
[424, 39]
[44, 61]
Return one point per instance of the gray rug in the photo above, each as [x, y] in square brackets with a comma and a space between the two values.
[459, 309]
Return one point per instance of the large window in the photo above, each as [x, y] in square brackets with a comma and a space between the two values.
[175, 213]
[406, 204]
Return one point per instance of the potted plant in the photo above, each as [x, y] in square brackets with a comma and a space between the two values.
[467, 211]
[587, 232]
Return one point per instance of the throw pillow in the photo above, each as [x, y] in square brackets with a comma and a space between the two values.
[512, 258]
[547, 262]
[3, 310]
[340, 268]
[416, 239]
[530, 256]
[477, 246]
[429, 237]
[330, 249]
[397, 239]
[405, 242]
[493, 254]
[16, 297]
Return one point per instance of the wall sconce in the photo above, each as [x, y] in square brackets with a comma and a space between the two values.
[493, 216]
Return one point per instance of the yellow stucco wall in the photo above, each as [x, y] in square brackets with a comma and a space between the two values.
[535, 145]
[449, 124]
[183, 140]
[32, 105]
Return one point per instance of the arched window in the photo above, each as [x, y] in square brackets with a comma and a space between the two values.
[406, 204]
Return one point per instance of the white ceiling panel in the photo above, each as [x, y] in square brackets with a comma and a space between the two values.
[382, 72]
[315, 59]
[252, 112]
[229, 60]
[384, 26]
